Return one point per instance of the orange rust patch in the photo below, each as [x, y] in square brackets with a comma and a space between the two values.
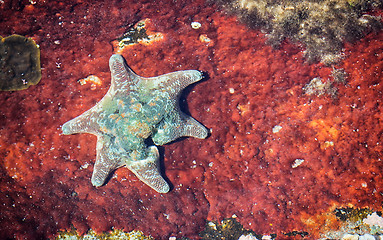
[327, 132]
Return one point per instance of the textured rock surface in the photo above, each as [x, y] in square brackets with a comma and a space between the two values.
[243, 168]
[321, 26]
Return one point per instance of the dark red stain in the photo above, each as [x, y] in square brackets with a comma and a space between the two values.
[243, 168]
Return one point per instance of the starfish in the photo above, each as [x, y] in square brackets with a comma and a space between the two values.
[135, 109]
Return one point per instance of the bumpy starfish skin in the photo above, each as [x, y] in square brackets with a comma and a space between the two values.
[134, 109]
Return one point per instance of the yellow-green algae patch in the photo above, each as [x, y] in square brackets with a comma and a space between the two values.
[354, 223]
[113, 235]
[228, 228]
[19, 63]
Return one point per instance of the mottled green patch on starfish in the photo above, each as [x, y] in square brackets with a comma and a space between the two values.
[134, 109]
[19, 63]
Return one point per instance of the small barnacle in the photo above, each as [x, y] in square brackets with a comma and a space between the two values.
[20, 63]
[317, 87]
[339, 75]
[94, 80]
[196, 25]
[297, 162]
[205, 39]
[330, 58]
[276, 128]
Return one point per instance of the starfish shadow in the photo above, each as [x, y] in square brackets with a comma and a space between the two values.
[161, 165]
[185, 93]
[111, 174]
[185, 109]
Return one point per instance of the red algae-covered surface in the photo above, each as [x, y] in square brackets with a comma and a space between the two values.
[244, 168]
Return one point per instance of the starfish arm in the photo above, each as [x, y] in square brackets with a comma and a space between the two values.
[147, 171]
[106, 161]
[123, 78]
[179, 125]
[173, 82]
[82, 124]
[192, 128]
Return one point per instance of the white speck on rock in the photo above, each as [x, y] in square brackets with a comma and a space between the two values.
[297, 162]
[196, 25]
[247, 237]
[276, 128]
[374, 220]
[366, 237]
[350, 237]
